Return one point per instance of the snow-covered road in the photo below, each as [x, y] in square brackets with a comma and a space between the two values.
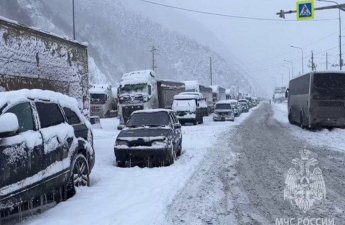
[243, 182]
[134, 195]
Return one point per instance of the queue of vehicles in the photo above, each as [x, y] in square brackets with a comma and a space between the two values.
[46, 139]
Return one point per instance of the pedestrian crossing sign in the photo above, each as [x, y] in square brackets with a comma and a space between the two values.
[305, 10]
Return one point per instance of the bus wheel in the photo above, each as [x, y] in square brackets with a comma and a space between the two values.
[301, 120]
[290, 117]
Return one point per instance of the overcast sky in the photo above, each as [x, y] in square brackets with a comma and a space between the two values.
[260, 45]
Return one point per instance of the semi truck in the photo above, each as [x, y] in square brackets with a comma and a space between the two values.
[141, 90]
[194, 86]
[33, 59]
[218, 93]
[103, 103]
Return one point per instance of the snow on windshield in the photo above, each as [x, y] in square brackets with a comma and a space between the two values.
[184, 105]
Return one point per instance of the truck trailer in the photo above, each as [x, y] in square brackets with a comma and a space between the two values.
[141, 90]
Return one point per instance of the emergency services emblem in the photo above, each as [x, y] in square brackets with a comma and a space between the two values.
[303, 187]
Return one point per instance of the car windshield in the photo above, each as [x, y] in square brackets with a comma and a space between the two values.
[149, 119]
[223, 106]
[98, 99]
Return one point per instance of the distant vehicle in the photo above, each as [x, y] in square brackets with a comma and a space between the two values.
[218, 93]
[223, 111]
[150, 137]
[279, 95]
[236, 108]
[244, 105]
[187, 109]
[194, 86]
[46, 150]
[201, 100]
[250, 101]
[34, 59]
[228, 94]
[102, 101]
[141, 90]
[316, 100]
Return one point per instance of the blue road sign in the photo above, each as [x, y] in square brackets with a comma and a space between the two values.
[305, 10]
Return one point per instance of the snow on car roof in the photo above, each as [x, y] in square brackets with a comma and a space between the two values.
[11, 97]
[137, 77]
[192, 93]
[224, 102]
[185, 96]
[152, 111]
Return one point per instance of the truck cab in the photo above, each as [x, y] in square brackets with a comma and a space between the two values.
[137, 91]
[102, 101]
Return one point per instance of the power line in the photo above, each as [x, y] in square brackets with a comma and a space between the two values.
[224, 15]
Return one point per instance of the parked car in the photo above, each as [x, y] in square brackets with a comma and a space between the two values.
[187, 109]
[46, 149]
[223, 111]
[150, 137]
[244, 104]
[236, 108]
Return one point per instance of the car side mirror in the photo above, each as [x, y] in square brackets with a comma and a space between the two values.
[177, 126]
[9, 125]
[120, 127]
[287, 93]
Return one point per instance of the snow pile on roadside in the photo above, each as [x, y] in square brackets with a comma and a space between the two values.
[134, 195]
[325, 138]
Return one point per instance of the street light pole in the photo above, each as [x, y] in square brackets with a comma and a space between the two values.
[291, 66]
[73, 12]
[340, 31]
[302, 56]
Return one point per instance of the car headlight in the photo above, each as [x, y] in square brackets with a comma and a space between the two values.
[121, 142]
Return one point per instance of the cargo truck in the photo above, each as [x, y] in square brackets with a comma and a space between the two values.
[102, 101]
[218, 93]
[141, 90]
[194, 86]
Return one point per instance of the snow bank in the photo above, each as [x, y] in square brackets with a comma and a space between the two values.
[325, 138]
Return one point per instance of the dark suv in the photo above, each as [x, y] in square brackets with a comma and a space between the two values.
[45, 149]
[150, 137]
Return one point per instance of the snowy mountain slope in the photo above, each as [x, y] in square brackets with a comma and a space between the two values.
[120, 40]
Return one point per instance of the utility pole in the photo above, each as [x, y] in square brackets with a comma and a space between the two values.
[312, 61]
[211, 71]
[73, 12]
[153, 50]
[326, 60]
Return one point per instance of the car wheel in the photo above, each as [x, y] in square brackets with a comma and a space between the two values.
[195, 122]
[179, 150]
[80, 171]
[172, 156]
